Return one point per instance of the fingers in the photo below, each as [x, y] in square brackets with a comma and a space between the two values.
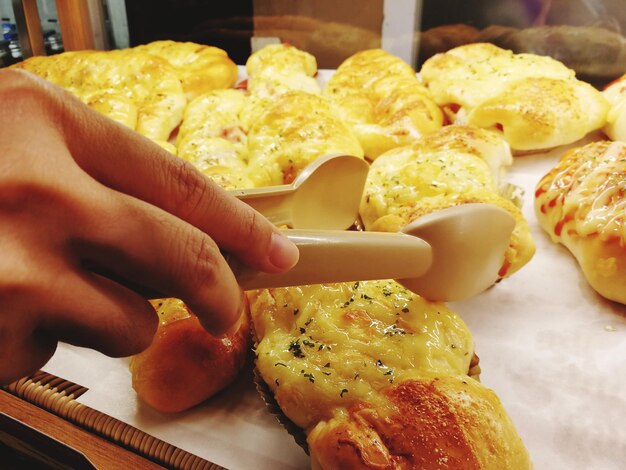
[129, 163]
[140, 168]
[99, 314]
[149, 250]
[21, 356]
[123, 160]
[167, 243]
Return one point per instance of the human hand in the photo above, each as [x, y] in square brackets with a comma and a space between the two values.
[94, 219]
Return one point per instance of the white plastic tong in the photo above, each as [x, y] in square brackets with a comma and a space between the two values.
[448, 255]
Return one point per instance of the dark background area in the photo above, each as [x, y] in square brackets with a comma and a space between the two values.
[227, 25]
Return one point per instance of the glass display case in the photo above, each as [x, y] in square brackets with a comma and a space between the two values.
[586, 35]
[551, 346]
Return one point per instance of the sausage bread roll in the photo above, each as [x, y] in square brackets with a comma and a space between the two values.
[581, 204]
[135, 88]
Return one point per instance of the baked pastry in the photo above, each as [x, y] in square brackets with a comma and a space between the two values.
[133, 87]
[615, 93]
[200, 68]
[277, 68]
[266, 135]
[455, 165]
[377, 377]
[213, 138]
[290, 132]
[379, 96]
[185, 365]
[536, 101]
[580, 204]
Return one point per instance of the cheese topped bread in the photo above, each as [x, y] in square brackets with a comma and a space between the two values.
[456, 165]
[277, 68]
[295, 129]
[135, 88]
[581, 203]
[264, 136]
[377, 377]
[200, 68]
[536, 101]
[213, 138]
[382, 100]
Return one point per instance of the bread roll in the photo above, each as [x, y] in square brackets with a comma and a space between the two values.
[580, 203]
[453, 166]
[448, 422]
[278, 68]
[597, 54]
[214, 139]
[133, 87]
[290, 132]
[535, 101]
[185, 365]
[379, 96]
[377, 377]
[200, 68]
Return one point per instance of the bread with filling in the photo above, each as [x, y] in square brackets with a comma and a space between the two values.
[580, 203]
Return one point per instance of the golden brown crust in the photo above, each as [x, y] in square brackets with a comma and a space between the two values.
[200, 68]
[133, 87]
[536, 100]
[185, 365]
[292, 131]
[377, 377]
[580, 203]
[452, 166]
[382, 100]
[597, 54]
[437, 423]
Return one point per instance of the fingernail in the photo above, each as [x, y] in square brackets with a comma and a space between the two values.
[283, 253]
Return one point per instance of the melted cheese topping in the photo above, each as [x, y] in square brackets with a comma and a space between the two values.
[278, 68]
[326, 347]
[243, 140]
[585, 193]
[212, 137]
[381, 98]
[292, 131]
[200, 68]
[468, 75]
[540, 112]
[132, 87]
[446, 168]
[615, 93]
[535, 100]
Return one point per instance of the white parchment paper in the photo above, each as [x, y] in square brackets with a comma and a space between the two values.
[551, 348]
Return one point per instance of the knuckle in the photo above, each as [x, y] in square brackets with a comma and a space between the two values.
[26, 89]
[190, 189]
[200, 264]
[250, 223]
[207, 255]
